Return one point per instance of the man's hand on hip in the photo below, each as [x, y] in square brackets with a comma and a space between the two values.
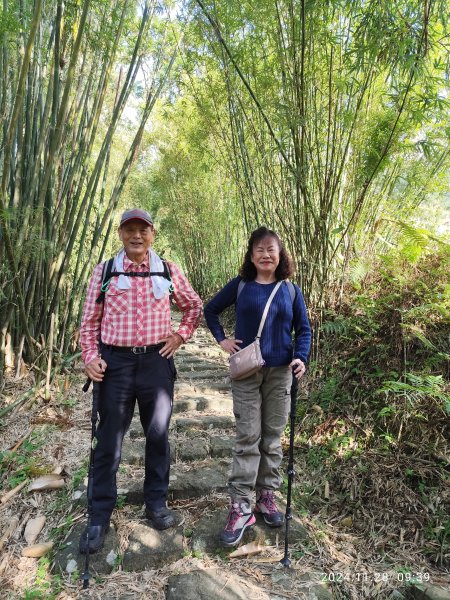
[171, 344]
[95, 369]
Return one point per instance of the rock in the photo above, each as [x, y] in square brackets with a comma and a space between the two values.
[209, 584]
[149, 548]
[133, 452]
[205, 537]
[135, 432]
[198, 481]
[204, 422]
[426, 591]
[307, 585]
[221, 445]
[69, 560]
[215, 375]
[193, 449]
[218, 403]
[184, 405]
[184, 387]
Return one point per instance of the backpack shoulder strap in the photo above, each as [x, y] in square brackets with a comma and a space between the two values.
[167, 275]
[292, 291]
[106, 276]
[240, 288]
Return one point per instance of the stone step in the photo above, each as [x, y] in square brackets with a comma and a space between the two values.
[184, 405]
[221, 446]
[147, 549]
[191, 367]
[198, 480]
[199, 352]
[188, 359]
[205, 535]
[152, 549]
[204, 422]
[218, 403]
[213, 374]
[185, 387]
[192, 449]
[182, 449]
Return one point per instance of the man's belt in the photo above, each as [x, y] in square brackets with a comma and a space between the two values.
[135, 349]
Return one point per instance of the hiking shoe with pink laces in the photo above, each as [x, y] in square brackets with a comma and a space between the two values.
[239, 518]
[267, 507]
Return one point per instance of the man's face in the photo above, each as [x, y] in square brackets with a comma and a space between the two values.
[137, 237]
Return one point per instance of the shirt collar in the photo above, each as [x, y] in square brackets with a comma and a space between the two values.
[128, 264]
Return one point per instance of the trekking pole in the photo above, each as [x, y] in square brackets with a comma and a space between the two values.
[290, 470]
[85, 577]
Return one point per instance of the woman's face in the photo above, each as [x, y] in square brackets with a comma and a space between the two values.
[266, 256]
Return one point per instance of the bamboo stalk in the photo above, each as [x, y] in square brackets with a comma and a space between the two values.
[50, 357]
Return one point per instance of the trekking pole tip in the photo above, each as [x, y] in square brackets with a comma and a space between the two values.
[86, 385]
[85, 579]
[285, 561]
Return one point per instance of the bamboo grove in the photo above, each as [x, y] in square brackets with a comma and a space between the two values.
[331, 119]
[68, 70]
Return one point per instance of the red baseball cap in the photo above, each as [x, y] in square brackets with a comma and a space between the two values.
[136, 213]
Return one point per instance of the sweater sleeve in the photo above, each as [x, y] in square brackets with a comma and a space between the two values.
[302, 328]
[222, 300]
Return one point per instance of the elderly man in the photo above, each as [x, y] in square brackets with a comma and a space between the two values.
[127, 347]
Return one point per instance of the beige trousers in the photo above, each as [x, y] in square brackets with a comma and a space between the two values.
[261, 407]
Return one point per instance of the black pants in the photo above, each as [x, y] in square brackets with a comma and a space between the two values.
[149, 379]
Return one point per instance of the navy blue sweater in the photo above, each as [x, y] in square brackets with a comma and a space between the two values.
[284, 316]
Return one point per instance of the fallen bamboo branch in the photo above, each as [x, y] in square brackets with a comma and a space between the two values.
[13, 492]
[11, 407]
[21, 441]
[11, 528]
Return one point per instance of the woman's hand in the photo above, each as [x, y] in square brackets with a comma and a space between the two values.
[230, 345]
[299, 368]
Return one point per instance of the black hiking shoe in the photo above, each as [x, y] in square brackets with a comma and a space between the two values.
[96, 538]
[161, 518]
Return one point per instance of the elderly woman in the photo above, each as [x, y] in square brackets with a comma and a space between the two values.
[261, 401]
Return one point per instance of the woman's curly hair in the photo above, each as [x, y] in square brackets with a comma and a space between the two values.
[285, 267]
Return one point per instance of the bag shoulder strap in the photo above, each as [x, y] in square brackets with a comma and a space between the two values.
[290, 285]
[266, 309]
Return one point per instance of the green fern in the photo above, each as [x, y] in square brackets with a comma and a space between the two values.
[413, 331]
[414, 236]
[340, 326]
[358, 270]
[417, 387]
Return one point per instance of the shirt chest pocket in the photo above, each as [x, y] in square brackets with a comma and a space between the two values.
[116, 300]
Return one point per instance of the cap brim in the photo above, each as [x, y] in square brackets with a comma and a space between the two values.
[135, 219]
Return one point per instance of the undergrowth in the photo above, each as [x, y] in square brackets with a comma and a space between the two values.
[375, 421]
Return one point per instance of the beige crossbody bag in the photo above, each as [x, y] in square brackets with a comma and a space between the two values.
[249, 360]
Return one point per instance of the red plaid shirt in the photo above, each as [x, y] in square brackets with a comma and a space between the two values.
[134, 317]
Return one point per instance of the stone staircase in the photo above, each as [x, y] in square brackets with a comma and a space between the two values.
[201, 435]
